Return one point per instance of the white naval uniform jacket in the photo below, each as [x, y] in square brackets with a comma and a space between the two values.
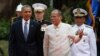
[56, 41]
[87, 45]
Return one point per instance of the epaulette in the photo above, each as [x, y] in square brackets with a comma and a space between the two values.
[89, 26]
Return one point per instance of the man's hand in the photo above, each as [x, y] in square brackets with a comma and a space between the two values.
[77, 37]
[81, 33]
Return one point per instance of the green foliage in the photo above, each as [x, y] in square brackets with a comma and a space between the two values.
[67, 17]
[4, 28]
[47, 13]
[82, 4]
[4, 47]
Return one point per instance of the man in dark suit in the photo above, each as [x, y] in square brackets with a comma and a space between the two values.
[39, 11]
[24, 33]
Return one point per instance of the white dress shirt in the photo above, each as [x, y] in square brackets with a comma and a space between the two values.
[87, 45]
[56, 41]
[23, 23]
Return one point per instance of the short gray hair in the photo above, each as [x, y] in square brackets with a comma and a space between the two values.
[26, 6]
[57, 11]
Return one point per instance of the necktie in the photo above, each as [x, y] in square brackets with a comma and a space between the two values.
[25, 31]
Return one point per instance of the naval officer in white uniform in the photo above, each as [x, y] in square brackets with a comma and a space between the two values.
[87, 45]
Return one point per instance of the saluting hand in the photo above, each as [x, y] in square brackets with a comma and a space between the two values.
[81, 33]
[78, 36]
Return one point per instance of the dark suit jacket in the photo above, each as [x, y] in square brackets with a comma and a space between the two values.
[17, 44]
[41, 36]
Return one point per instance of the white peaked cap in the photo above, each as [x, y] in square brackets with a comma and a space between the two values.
[19, 7]
[79, 12]
[39, 7]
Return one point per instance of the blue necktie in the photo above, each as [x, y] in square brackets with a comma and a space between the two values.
[25, 31]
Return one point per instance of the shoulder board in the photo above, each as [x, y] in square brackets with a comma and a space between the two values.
[89, 26]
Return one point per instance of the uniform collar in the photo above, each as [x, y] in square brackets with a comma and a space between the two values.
[80, 27]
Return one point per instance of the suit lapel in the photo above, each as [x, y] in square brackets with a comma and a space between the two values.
[21, 30]
[30, 29]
